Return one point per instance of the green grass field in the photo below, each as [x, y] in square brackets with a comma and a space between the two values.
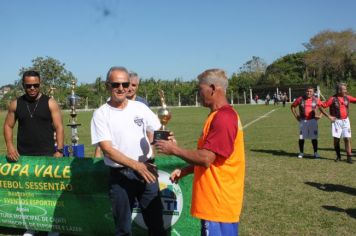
[284, 195]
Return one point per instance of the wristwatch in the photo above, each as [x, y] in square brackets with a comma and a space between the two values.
[60, 150]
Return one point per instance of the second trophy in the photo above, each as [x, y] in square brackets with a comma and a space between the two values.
[164, 115]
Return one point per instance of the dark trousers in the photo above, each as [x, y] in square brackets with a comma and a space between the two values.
[125, 187]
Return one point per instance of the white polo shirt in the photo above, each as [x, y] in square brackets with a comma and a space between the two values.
[126, 129]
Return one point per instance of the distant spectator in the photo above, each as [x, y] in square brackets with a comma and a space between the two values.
[284, 99]
[275, 99]
[256, 99]
[268, 98]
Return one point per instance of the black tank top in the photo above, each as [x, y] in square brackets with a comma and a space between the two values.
[35, 127]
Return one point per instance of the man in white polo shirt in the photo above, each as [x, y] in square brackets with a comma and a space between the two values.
[120, 128]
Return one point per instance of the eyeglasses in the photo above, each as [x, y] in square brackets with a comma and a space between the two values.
[116, 85]
[28, 86]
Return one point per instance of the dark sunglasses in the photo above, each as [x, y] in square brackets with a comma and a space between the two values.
[116, 85]
[28, 86]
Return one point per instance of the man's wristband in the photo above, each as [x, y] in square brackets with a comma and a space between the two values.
[60, 150]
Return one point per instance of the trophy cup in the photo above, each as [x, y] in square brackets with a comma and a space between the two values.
[74, 149]
[164, 115]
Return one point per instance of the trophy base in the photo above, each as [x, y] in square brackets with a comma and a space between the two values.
[74, 151]
[160, 135]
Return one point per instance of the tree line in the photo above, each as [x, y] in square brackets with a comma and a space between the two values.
[329, 57]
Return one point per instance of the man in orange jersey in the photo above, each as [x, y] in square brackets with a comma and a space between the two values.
[339, 113]
[308, 119]
[218, 163]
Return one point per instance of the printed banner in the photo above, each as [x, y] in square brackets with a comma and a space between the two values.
[70, 195]
[55, 194]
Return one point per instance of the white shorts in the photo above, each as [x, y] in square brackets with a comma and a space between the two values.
[341, 128]
[308, 129]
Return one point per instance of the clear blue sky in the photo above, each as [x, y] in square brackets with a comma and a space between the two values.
[164, 39]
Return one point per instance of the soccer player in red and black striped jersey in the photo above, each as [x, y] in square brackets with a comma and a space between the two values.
[339, 113]
[307, 118]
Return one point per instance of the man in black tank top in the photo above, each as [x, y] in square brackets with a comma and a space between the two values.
[38, 117]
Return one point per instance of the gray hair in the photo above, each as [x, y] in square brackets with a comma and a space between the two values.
[114, 68]
[339, 85]
[133, 74]
[214, 76]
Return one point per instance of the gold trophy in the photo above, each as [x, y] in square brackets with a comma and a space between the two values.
[164, 115]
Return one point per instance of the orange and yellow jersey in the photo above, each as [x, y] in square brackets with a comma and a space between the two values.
[218, 190]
